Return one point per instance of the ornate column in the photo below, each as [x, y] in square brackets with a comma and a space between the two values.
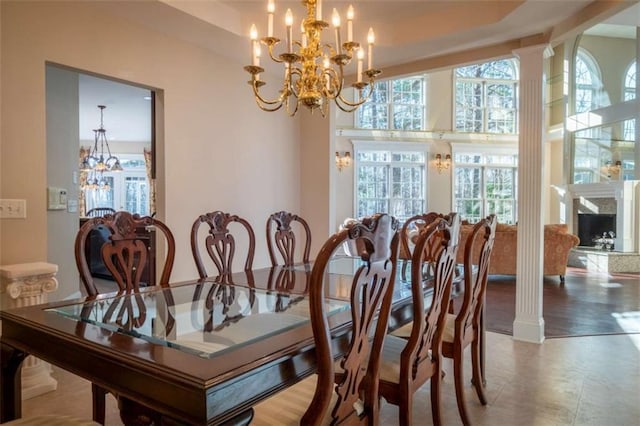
[27, 284]
[529, 324]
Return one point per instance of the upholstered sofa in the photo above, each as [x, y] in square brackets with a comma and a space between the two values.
[557, 245]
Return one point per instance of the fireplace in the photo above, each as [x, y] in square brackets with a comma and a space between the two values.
[616, 199]
[592, 226]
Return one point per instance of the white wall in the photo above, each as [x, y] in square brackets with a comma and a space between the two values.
[62, 161]
[219, 150]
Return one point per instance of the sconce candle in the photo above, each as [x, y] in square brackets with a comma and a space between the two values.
[442, 164]
[343, 160]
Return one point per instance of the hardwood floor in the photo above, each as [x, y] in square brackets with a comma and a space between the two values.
[562, 382]
[589, 303]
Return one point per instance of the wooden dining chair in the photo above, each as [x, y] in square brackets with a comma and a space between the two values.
[124, 253]
[409, 232]
[124, 249]
[465, 327]
[350, 397]
[281, 237]
[409, 361]
[220, 243]
[100, 211]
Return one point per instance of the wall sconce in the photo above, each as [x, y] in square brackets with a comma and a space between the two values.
[343, 160]
[443, 164]
[613, 167]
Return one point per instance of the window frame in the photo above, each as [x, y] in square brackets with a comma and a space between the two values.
[390, 105]
[485, 109]
[485, 149]
[393, 147]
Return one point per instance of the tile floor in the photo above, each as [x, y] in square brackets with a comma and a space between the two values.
[591, 381]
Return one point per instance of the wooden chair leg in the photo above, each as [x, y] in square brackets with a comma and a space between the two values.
[435, 398]
[478, 377]
[405, 406]
[99, 405]
[458, 376]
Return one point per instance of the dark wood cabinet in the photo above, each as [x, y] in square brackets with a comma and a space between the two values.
[98, 237]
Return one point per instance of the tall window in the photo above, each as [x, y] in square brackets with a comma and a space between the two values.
[629, 126]
[394, 105]
[390, 181]
[485, 183]
[487, 97]
[587, 83]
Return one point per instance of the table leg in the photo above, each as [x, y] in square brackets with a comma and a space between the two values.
[10, 383]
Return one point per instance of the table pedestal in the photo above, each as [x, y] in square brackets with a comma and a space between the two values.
[27, 284]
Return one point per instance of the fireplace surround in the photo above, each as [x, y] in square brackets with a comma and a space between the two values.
[615, 198]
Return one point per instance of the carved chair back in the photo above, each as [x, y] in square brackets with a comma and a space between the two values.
[125, 253]
[476, 273]
[440, 236]
[281, 237]
[372, 288]
[220, 243]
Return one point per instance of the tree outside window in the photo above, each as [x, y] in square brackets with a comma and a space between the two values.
[394, 105]
[390, 181]
[485, 184]
[487, 97]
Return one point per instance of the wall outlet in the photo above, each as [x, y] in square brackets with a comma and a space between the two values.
[13, 209]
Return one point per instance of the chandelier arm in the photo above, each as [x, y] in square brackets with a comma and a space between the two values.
[263, 101]
[270, 50]
[336, 80]
[288, 108]
[347, 106]
[293, 85]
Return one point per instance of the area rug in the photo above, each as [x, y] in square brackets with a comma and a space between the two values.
[588, 303]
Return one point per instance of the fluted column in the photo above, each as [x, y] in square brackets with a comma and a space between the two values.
[27, 284]
[529, 323]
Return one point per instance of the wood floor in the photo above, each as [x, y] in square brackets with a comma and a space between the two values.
[589, 303]
[564, 381]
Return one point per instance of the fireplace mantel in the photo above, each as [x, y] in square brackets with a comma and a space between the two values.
[627, 200]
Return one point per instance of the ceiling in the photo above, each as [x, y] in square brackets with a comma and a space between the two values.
[411, 36]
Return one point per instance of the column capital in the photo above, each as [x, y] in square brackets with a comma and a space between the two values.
[545, 49]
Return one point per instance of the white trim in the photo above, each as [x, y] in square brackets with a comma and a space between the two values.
[394, 136]
[388, 145]
[484, 148]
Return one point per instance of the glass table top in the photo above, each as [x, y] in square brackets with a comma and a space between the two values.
[205, 319]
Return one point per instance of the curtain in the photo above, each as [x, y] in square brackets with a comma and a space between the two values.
[152, 182]
[82, 205]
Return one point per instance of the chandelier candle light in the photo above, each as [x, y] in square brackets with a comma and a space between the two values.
[313, 70]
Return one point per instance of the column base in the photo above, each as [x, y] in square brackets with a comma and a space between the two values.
[528, 331]
[35, 383]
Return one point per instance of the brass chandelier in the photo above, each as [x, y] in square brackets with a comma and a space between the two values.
[313, 70]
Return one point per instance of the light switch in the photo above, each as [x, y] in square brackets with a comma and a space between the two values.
[13, 209]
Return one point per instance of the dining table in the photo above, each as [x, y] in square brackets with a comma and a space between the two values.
[195, 352]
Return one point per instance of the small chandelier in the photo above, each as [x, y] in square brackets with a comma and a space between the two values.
[313, 70]
[97, 159]
[96, 181]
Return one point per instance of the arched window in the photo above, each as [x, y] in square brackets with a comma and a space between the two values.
[629, 126]
[588, 82]
[630, 82]
[487, 97]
